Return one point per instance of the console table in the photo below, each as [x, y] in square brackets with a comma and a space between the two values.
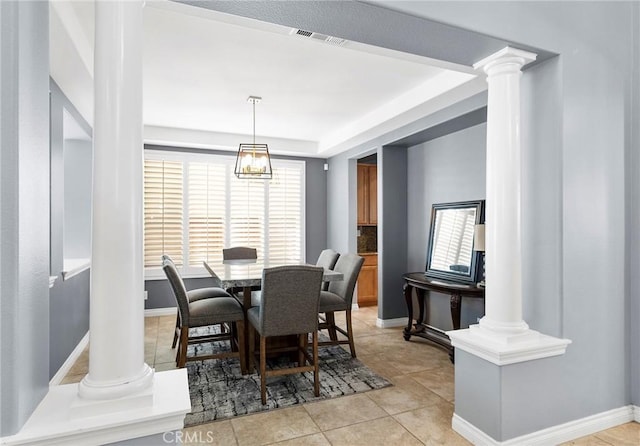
[456, 291]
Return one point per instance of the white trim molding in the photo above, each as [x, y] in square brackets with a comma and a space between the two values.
[52, 280]
[55, 422]
[391, 323]
[636, 414]
[552, 435]
[503, 350]
[66, 366]
[73, 267]
[154, 312]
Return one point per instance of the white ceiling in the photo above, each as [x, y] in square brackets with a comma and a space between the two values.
[200, 66]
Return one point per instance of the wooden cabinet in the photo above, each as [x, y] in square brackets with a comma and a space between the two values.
[367, 194]
[368, 281]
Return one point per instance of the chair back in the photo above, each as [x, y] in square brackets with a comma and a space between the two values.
[290, 300]
[327, 259]
[239, 253]
[179, 290]
[349, 265]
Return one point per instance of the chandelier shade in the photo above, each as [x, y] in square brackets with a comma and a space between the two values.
[253, 160]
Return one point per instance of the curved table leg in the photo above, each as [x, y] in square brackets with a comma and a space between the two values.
[406, 288]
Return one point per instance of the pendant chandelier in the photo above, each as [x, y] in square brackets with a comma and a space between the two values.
[253, 160]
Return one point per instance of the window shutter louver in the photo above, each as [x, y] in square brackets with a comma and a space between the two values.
[162, 211]
[194, 207]
[285, 218]
[207, 212]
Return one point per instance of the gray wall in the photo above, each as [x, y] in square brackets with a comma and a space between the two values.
[392, 221]
[68, 299]
[447, 169]
[633, 222]
[78, 155]
[24, 210]
[392, 245]
[579, 149]
[159, 291]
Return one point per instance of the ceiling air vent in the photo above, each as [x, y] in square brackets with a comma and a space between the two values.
[317, 36]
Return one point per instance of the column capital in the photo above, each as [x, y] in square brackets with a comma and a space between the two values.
[506, 55]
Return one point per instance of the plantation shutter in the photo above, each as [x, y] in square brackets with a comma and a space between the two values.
[207, 212]
[162, 211]
[247, 214]
[285, 218]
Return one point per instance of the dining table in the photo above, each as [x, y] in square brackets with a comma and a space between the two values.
[247, 274]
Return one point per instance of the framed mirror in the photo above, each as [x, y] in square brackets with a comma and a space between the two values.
[450, 253]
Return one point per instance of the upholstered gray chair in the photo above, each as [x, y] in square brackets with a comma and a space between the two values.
[242, 253]
[289, 306]
[327, 259]
[203, 313]
[197, 294]
[239, 253]
[338, 297]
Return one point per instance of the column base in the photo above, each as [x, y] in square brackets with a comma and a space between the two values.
[91, 390]
[502, 348]
[54, 421]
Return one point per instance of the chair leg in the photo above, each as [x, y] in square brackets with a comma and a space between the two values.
[352, 346]
[331, 322]
[316, 367]
[241, 346]
[263, 369]
[234, 335]
[184, 341]
[252, 347]
[301, 346]
[175, 332]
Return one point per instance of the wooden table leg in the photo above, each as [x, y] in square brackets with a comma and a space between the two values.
[420, 293]
[406, 288]
[246, 304]
[455, 310]
[456, 299]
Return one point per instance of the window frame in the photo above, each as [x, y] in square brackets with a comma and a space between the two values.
[187, 271]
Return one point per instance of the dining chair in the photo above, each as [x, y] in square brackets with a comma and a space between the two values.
[242, 253]
[195, 295]
[239, 253]
[289, 306]
[338, 297]
[327, 259]
[205, 313]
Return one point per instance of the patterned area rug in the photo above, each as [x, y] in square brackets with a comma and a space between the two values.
[219, 391]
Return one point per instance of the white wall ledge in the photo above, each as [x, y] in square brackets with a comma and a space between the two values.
[501, 351]
[73, 267]
[53, 421]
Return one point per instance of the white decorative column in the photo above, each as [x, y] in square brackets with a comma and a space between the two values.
[116, 355]
[503, 253]
[502, 336]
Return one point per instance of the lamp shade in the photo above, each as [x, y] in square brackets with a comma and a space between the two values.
[253, 161]
[478, 238]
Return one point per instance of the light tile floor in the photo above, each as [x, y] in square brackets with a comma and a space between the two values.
[416, 410]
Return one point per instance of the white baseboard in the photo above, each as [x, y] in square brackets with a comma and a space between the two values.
[636, 414]
[390, 323]
[554, 434]
[66, 366]
[153, 312]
